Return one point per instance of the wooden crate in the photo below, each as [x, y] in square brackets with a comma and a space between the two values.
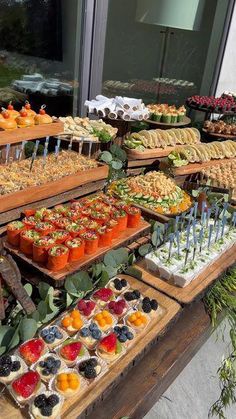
[198, 286]
[76, 407]
[57, 278]
[32, 133]
[36, 193]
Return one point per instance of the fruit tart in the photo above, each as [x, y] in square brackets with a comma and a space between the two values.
[53, 336]
[87, 308]
[72, 322]
[90, 335]
[11, 366]
[125, 334]
[68, 383]
[32, 350]
[26, 386]
[92, 368]
[71, 351]
[132, 297]
[118, 285]
[109, 348]
[138, 320]
[103, 296]
[48, 366]
[118, 308]
[148, 306]
[42, 117]
[104, 320]
[46, 405]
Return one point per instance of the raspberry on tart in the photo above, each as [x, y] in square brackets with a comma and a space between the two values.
[103, 296]
[26, 386]
[87, 308]
[118, 308]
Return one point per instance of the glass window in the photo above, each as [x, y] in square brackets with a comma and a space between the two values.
[39, 50]
[162, 50]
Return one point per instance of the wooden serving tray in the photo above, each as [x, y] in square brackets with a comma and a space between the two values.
[186, 121]
[76, 407]
[149, 153]
[25, 134]
[57, 278]
[66, 183]
[217, 135]
[197, 167]
[199, 285]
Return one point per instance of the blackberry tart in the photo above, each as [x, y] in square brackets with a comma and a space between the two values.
[148, 306]
[91, 368]
[11, 366]
[46, 405]
[132, 297]
[118, 285]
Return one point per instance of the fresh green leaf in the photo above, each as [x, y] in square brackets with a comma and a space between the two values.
[42, 309]
[6, 334]
[96, 270]
[104, 279]
[105, 156]
[15, 340]
[69, 299]
[2, 350]
[35, 315]
[29, 289]
[118, 152]
[145, 249]
[43, 288]
[78, 282]
[131, 259]
[116, 257]
[27, 329]
[110, 271]
[136, 273]
[116, 164]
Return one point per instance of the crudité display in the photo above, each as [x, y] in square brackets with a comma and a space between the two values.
[154, 191]
[71, 354]
[200, 153]
[158, 138]
[17, 176]
[67, 233]
[169, 114]
[188, 251]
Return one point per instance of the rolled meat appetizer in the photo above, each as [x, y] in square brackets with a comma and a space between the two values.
[41, 247]
[100, 217]
[13, 232]
[27, 238]
[113, 225]
[75, 229]
[44, 228]
[134, 217]
[57, 257]
[60, 236]
[62, 223]
[122, 218]
[76, 248]
[91, 242]
[105, 236]
[29, 222]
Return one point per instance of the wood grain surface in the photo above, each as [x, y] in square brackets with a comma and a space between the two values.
[197, 167]
[32, 133]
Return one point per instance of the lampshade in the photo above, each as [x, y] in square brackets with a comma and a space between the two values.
[181, 14]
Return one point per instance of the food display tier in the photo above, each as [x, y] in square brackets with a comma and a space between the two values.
[198, 286]
[36, 193]
[197, 167]
[186, 121]
[57, 278]
[32, 133]
[217, 135]
[207, 110]
[74, 407]
[149, 153]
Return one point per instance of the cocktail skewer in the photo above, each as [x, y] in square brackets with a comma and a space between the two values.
[224, 220]
[203, 211]
[201, 239]
[195, 210]
[178, 243]
[216, 215]
[171, 239]
[8, 147]
[22, 149]
[34, 154]
[81, 142]
[208, 216]
[186, 255]
[210, 235]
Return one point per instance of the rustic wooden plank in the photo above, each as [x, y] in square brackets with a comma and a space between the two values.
[75, 407]
[198, 286]
[148, 153]
[57, 278]
[144, 384]
[143, 163]
[31, 133]
[82, 190]
[197, 167]
[49, 189]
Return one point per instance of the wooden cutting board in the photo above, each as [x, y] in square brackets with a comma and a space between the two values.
[198, 286]
[76, 407]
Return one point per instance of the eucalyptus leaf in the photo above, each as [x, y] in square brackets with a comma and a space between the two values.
[29, 289]
[96, 270]
[51, 305]
[116, 257]
[116, 164]
[42, 309]
[78, 282]
[155, 239]
[27, 329]
[6, 334]
[104, 279]
[106, 156]
[35, 315]
[48, 317]
[43, 288]
[131, 259]
[15, 340]
[145, 249]
[110, 271]
[2, 350]
[69, 299]
[136, 273]
[118, 152]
